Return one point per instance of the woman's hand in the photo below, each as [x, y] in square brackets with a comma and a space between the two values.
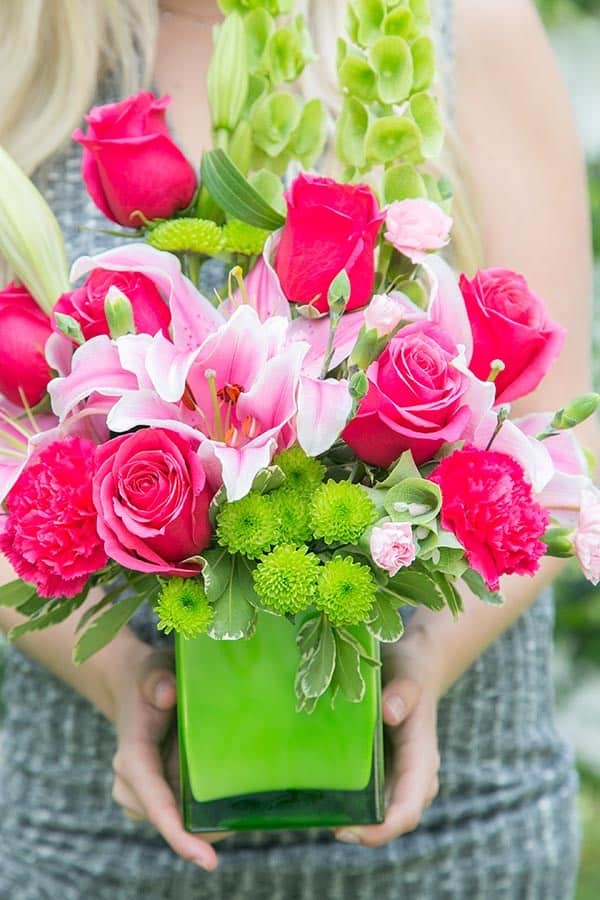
[410, 711]
[146, 763]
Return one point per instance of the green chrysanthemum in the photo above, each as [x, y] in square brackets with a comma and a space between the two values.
[303, 474]
[183, 607]
[192, 235]
[346, 591]
[286, 579]
[238, 237]
[247, 526]
[341, 512]
[292, 513]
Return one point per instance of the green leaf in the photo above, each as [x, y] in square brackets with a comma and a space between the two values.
[15, 593]
[358, 78]
[391, 139]
[451, 595]
[234, 194]
[404, 468]
[415, 291]
[234, 616]
[416, 586]
[385, 624]
[270, 188]
[240, 146]
[347, 676]
[392, 61]
[309, 138]
[217, 565]
[423, 56]
[108, 624]
[307, 636]
[352, 638]
[267, 480]
[414, 500]
[425, 112]
[351, 133]
[403, 182]
[475, 583]
[274, 120]
[318, 667]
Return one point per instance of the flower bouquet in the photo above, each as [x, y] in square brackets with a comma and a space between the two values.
[276, 419]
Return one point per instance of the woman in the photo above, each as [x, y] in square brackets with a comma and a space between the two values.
[502, 825]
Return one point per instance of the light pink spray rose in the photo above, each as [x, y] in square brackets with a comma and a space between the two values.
[587, 536]
[385, 312]
[392, 546]
[415, 227]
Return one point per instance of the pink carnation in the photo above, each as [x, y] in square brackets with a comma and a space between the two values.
[415, 227]
[392, 546]
[50, 534]
[489, 506]
[587, 536]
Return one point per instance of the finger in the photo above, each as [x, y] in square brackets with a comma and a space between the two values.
[159, 688]
[148, 783]
[400, 696]
[133, 815]
[125, 797]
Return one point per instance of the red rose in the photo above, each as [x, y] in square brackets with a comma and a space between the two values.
[417, 399]
[25, 328]
[489, 506]
[130, 162]
[329, 227]
[152, 500]
[509, 322]
[86, 303]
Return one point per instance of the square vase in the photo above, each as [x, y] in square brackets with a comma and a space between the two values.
[249, 761]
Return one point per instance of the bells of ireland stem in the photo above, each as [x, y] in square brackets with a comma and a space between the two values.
[30, 239]
[228, 76]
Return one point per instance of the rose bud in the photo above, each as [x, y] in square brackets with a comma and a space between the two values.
[329, 227]
[415, 227]
[131, 163]
[25, 328]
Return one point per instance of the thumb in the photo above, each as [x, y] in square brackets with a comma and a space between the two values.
[400, 697]
[159, 689]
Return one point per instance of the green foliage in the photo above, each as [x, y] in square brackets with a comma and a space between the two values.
[234, 193]
[234, 612]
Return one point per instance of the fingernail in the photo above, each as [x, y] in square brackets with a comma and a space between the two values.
[395, 706]
[348, 837]
[207, 865]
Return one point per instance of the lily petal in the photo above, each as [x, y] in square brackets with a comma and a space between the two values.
[324, 407]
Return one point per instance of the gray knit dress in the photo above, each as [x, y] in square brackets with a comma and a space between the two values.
[502, 828]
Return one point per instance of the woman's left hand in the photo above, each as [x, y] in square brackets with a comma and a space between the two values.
[410, 711]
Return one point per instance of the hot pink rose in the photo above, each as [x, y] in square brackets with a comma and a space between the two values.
[510, 323]
[86, 303]
[330, 227]
[587, 536]
[25, 328]
[130, 162]
[152, 499]
[415, 227]
[417, 400]
[392, 546]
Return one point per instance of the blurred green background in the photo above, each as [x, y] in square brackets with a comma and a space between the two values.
[574, 29]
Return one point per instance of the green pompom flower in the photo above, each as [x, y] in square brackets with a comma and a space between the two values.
[292, 512]
[341, 512]
[183, 607]
[346, 591]
[247, 526]
[303, 474]
[191, 235]
[238, 237]
[286, 579]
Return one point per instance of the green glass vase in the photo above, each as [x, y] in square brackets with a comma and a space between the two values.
[248, 760]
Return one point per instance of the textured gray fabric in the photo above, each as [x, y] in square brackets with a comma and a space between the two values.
[502, 828]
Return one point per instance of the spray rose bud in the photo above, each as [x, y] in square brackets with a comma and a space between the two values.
[559, 542]
[577, 411]
[392, 546]
[385, 312]
[119, 313]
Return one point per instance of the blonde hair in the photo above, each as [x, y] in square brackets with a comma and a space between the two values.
[53, 53]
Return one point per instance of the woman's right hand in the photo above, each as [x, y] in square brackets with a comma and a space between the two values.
[147, 761]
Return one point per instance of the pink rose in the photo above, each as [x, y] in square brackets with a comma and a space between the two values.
[86, 303]
[152, 498]
[385, 312]
[25, 328]
[509, 322]
[330, 227]
[587, 536]
[392, 546]
[417, 400]
[415, 227]
[131, 163]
